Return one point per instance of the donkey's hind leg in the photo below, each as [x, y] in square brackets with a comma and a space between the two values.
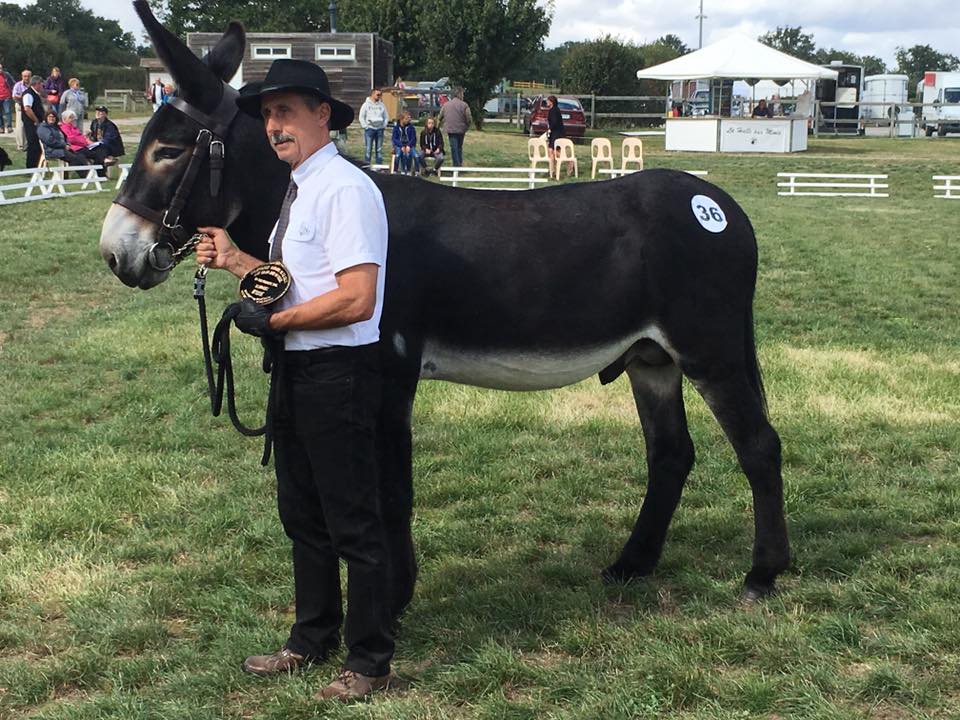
[738, 406]
[657, 390]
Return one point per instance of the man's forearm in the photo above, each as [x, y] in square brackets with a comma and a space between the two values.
[240, 263]
[334, 309]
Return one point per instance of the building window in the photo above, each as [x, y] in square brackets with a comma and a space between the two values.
[327, 51]
[270, 52]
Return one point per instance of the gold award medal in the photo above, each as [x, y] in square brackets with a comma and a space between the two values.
[266, 283]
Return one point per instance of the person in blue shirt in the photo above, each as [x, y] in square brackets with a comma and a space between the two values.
[405, 145]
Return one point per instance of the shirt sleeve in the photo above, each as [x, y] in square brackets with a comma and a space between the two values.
[358, 229]
[28, 100]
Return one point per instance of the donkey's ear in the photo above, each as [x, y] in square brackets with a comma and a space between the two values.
[194, 80]
[227, 55]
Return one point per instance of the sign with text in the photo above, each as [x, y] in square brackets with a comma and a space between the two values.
[755, 136]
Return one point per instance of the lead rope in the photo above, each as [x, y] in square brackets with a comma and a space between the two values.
[219, 352]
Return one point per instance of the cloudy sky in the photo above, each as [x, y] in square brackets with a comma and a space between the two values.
[874, 27]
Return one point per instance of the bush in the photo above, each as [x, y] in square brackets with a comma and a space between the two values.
[97, 78]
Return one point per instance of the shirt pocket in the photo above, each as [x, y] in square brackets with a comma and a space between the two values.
[301, 232]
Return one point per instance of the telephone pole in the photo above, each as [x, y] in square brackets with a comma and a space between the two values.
[701, 17]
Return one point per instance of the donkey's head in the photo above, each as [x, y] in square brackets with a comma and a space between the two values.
[133, 241]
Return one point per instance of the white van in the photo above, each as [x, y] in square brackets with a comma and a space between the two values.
[940, 93]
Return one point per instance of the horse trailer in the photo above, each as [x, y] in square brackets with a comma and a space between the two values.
[842, 98]
[939, 92]
[891, 90]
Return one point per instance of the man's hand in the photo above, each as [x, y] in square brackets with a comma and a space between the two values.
[254, 319]
[216, 250]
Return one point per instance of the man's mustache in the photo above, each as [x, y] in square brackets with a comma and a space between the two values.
[277, 138]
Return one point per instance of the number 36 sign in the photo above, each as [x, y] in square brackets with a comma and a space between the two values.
[708, 213]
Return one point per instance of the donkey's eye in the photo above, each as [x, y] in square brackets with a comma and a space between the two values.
[167, 152]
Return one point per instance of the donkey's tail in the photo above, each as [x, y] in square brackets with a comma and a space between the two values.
[752, 362]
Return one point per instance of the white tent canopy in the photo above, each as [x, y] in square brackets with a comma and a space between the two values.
[738, 57]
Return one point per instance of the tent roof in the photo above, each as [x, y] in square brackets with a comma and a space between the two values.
[737, 57]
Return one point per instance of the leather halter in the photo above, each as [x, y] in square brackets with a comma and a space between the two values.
[209, 143]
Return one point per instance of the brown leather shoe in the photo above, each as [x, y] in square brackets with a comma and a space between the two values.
[283, 660]
[351, 685]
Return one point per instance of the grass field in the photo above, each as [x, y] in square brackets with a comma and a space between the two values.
[141, 557]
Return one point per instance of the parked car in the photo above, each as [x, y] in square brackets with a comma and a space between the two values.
[574, 121]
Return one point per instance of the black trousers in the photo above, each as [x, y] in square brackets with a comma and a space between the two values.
[33, 143]
[328, 496]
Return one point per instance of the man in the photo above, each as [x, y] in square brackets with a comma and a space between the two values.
[104, 131]
[19, 88]
[156, 94]
[332, 237]
[6, 101]
[30, 118]
[455, 121]
[373, 120]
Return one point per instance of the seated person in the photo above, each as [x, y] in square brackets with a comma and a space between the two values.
[776, 107]
[405, 145]
[104, 131]
[55, 142]
[80, 143]
[431, 147]
[761, 110]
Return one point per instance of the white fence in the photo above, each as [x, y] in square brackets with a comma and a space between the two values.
[464, 176]
[833, 185]
[948, 188]
[53, 181]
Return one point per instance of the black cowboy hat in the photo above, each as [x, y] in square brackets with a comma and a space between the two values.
[295, 75]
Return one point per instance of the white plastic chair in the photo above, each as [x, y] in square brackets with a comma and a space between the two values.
[537, 151]
[564, 153]
[632, 150]
[602, 152]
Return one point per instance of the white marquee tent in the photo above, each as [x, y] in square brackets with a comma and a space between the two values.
[737, 57]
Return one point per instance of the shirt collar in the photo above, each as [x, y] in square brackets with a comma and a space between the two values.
[315, 163]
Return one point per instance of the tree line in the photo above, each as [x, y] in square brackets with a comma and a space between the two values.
[912, 61]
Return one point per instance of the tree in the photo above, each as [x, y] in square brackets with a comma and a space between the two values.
[479, 40]
[791, 40]
[393, 20]
[674, 43]
[913, 62]
[31, 47]
[606, 66]
[90, 38]
[544, 66]
[183, 16]
[871, 65]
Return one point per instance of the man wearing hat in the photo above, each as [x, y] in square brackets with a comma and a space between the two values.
[104, 131]
[332, 237]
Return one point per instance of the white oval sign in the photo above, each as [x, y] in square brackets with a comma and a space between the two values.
[708, 213]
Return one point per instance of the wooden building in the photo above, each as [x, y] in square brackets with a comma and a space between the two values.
[354, 62]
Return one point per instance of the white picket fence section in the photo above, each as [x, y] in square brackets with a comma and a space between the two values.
[18, 186]
[948, 188]
[620, 172]
[833, 185]
[466, 176]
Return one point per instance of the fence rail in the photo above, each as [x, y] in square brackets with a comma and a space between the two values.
[848, 184]
[52, 181]
[948, 188]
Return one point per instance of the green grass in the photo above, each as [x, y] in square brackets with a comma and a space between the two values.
[141, 557]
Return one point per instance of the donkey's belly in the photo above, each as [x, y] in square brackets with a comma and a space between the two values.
[520, 368]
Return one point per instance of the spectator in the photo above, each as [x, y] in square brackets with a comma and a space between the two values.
[30, 118]
[6, 101]
[555, 131]
[155, 94]
[373, 120]
[455, 119]
[405, 145]
[431, 147]
[776, 107]
[19, 88]
[54, 87]
[75, 100]
[80, 143]
[761, 110]
[104, 131]
[55, 142]
[169, 92]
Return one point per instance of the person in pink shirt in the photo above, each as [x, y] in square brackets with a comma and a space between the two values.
[75, 139]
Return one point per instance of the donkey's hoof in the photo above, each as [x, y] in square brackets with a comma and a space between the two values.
[619, 573]
[755, 593]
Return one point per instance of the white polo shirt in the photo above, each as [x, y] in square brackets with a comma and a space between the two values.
[337, 221]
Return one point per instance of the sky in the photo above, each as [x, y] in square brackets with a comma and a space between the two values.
[865, 27]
